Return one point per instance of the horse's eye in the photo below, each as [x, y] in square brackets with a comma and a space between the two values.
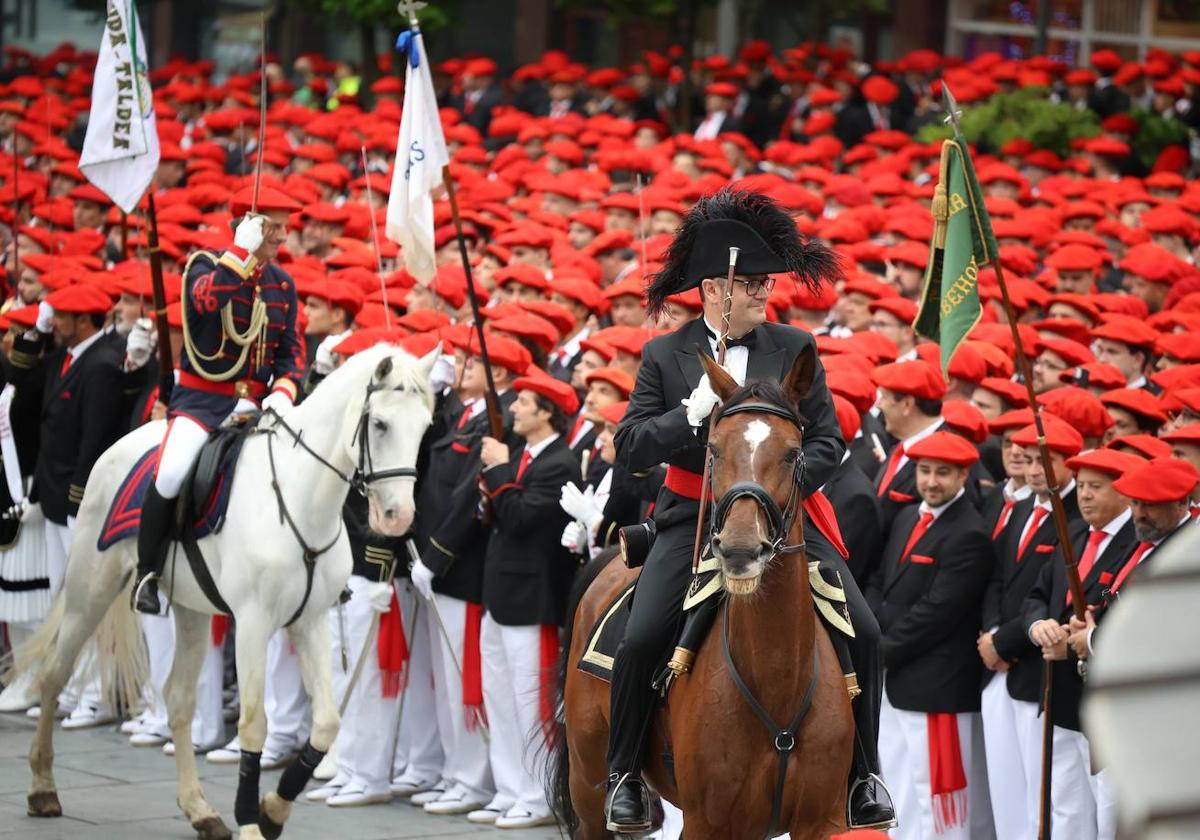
[714, 451]
[381, 426]
[792, 456]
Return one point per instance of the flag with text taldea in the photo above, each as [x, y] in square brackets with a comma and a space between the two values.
[963, 243]
[420, 156]
[120, 151]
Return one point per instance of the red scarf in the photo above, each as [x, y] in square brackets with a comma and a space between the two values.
[947, 779]
[392, 648]
[219, 627]
[549, 667]
[472, 668]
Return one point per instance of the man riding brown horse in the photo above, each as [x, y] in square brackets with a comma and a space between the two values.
[666, 422]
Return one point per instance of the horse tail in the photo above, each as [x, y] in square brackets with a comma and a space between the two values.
[559, 760]
[121, 654]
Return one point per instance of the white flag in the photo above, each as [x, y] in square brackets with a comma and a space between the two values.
[120, 152]
[420, 156]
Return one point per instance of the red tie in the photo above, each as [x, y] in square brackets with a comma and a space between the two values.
[579, 421]
[1089, 557]
[1003, 520]
[918, 531]
[889, 472]
[526, 457]
[66, 364]
[466, 415]
[1142, 549]
[1035, 521]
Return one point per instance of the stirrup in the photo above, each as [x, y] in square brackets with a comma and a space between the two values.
[137, 590]
[871, 778]
[616, 782]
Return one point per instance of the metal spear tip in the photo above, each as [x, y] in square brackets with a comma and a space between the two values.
[952, 117]
[409, 9]
[733, 255]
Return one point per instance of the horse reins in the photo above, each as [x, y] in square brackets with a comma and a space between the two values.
[363, 475]
[779, 522]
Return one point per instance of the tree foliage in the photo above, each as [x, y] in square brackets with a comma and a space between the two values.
[1027, 113]
[381, 13]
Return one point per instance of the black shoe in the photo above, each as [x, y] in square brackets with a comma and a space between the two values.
[145, 595]
[864, 807]
[627, 807]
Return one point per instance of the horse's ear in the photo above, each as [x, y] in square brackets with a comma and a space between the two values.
[722, 383]
[383, 369]
[425, 363]
[799, 380]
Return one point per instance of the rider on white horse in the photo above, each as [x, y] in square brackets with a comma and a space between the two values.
[241, 347]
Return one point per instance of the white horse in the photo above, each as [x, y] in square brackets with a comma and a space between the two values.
[365, 419]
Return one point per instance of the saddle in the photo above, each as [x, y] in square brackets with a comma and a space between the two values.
[700, 606]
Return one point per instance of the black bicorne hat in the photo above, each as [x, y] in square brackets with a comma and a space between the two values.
[766, 235]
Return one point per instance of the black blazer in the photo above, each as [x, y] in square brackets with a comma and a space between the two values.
[853, 498]
[929, 607]
[1012, 580]
[80, 417]
[902, 490]
[527, 573]
[656, 430]
[1048, 599]
[451, 535]
[862, 448]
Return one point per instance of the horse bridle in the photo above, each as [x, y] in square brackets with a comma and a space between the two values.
[366, 473]
[779, 520]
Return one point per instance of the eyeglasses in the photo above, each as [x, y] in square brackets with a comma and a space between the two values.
[756, 284]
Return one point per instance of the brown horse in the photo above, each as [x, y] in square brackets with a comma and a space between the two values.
[726, 765]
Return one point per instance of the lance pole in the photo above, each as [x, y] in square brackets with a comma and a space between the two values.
[262, 112]
[387, 312]
[166, 366]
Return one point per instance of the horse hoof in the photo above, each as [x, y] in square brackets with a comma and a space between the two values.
[272, 814]
[44, 804]
[212, 828]
[270, 829]
[250, 832]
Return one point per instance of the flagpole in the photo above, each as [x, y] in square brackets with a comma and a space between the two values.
[166, 366]
[16, 205]
[1078, 604]
[262, 113]
[387, 312]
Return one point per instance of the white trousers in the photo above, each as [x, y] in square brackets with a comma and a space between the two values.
[208, 722]
[1029, 743]
[180, 447]
[511, 683]
[1006, 770]
[289, 714]
[1071, 794]
[418, 752]
[58, 548]
[368, 731]
[1106, 806]
[904, 759]
[465, 749]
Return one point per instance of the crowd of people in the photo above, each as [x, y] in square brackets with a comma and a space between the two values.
[572, 182]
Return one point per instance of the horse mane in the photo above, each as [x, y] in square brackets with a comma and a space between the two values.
[768, 392]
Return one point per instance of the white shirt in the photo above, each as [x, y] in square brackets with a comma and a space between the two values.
[1045, 505]
[736, 358]
[1110, 530]
[537, 448]
[917, 438]
[82, 347]
[940, 509]
[710, 127]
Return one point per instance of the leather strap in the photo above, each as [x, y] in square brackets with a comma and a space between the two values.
[784, 740]
[200, 572]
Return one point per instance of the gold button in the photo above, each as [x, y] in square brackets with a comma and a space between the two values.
[242, 390]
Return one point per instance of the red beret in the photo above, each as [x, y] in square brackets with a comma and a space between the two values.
[1094, 375]
[1108, 461]
[965, 419]
[337, 292]
[725, 89]
[1018, 418]
[1159, 481]
[869, 287]
[505, 352]
[527, 325]
[880, 90]
[268, 199]
[1013, 393]
[1144, 446]
[578, 289]
[558, 392]
[1137, 401]
[1183, 347]
[852, 386]
[1061, 436]
[1150, 262]
[849, 420]
[1189, 434]
[614, 412]
[944, 446]
[903, 308]
[1106, 61]
[919, 379]
[1071, 352]
[80, 299]
[523, 273]
[89, 192]
[1079, 407]
[615, 377]
[1128, 330]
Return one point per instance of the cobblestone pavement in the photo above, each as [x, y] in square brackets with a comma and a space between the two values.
[111, 791]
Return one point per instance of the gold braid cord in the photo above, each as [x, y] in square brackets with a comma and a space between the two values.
[256, 331]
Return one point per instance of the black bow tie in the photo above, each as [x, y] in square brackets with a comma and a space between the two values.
[749, 340]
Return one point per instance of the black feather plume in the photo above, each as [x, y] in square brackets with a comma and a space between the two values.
[808, 261]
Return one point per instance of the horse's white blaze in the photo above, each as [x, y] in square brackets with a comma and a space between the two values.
[756, 432]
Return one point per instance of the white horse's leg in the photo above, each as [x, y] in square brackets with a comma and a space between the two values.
[191, 642]
[252, 635]
[311, 638]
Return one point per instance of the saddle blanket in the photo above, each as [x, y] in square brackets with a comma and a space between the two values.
[125, 512]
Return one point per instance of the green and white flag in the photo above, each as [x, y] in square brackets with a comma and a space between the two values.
[963, 243]
[120, 151]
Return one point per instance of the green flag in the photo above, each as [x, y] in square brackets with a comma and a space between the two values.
[962, 244]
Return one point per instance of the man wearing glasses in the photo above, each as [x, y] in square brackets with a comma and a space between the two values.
[666, 422]
[241, 349]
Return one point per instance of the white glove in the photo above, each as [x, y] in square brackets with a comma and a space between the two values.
[277, 401]
[581, 505]
[71, 522]
[442, 375]
[422, 579]
[575, 537]
[31, 512]
[45, 318]
[139, 344]
[323, 361]
[701, 403]
[380, 596]
[249, 233]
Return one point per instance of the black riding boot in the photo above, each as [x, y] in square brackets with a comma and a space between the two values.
[627, 806]
[154, 537]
